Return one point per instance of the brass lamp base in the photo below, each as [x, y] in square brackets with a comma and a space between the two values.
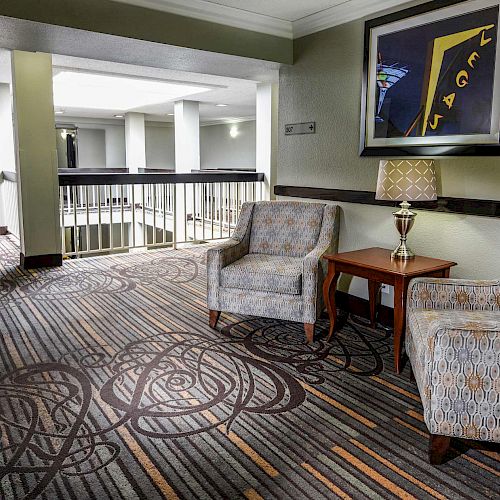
[404, 220]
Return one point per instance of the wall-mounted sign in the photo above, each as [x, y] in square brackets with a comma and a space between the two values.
[300, 128]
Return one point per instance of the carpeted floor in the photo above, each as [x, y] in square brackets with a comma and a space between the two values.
[113, 386]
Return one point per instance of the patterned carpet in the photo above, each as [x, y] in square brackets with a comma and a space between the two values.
[113, 386]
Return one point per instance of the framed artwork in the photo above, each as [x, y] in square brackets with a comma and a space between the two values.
[431, 83]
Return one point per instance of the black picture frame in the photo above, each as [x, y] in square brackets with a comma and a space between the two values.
[410, 150]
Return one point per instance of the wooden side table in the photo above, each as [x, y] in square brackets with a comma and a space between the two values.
[377, 266]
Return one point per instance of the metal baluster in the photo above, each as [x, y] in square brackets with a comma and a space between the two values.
[63, 227]
[194, 211]
[164, 213]
[122, 220]
[99, 222]
[132, 192]
[154, 213]
[229, 208]
[111, 242]
[237, 203]
[144, 228]
[174, 212]
[203, 207]
[87, 218]
[212, 207]
[185, 214]
[75, 221]
[221, 208]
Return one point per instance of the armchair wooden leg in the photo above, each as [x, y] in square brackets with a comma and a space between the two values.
[309, 329]
[213, 318]
[438, 446]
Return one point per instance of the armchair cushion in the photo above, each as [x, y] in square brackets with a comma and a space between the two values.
[264, 273]
[288, 228]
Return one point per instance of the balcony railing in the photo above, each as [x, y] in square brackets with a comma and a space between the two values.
[8, 199]
[103, 212]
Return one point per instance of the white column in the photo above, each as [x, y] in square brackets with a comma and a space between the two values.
[267, 135]
[187, 158]
[135, 141]
[135, 158]
[38, 185]
[187, 136]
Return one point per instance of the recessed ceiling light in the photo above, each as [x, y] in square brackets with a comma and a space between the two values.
[97, 91]
[60, 112]
[221, 105]
[118, 116]
[170, 114]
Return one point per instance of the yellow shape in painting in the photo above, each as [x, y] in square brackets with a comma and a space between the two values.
[449, 100]
[441, 45]
[434, 124]
[472, 58]
[462, 79]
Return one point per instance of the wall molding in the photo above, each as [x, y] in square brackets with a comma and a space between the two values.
[340, 14]
[467, 206]
[220, 14]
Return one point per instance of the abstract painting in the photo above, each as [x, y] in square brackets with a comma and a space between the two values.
[432, 79]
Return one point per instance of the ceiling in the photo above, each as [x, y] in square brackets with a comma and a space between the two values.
[288, 10]
[285, 18]
[238, 95]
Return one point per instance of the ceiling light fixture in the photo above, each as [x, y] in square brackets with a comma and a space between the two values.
[221, 105]
[118, 116]
[60, 112]
[170, 114]
[81, 90]
[233, 132]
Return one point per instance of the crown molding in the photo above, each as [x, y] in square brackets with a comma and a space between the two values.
[340, 14]
[220, 14]
[348, 10]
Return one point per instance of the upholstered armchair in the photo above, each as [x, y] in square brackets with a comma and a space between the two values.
[272, 265]
[453, 343]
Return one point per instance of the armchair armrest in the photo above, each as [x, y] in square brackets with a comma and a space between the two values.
[312, 267]
[463, 349]
[446, 293]
[228, 252]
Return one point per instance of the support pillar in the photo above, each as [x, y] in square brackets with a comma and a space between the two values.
[266, 124]
[135, 153]
[38, 183]
[187, 158]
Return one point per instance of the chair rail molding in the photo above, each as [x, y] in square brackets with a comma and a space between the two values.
[467, 206]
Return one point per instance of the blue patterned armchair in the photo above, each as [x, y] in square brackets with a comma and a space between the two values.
[453, 343]
[272, 265]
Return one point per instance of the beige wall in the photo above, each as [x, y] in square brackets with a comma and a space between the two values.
[219, 150]
[324, 85]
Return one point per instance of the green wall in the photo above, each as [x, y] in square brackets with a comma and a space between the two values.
[106, 16]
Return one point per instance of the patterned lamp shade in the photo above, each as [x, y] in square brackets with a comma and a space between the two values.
[406, 180]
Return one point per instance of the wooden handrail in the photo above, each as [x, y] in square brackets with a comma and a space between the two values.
[75, 178]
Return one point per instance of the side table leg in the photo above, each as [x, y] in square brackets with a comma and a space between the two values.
[374, 296]
[329, 288]
[400, 289]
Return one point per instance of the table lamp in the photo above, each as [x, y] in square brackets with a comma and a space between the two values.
[406, 180]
